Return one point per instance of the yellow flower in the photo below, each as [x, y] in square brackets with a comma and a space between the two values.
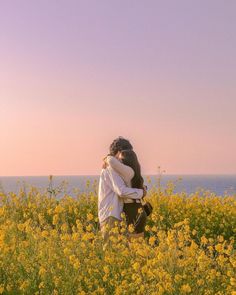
[89, 217]
[140, 210]
[154, 229]
[66, 251]
[21, 226]
[218, 247]
[42, 271]
[204, 240]
[64, 227]
[77, 264]
[221, 239]
[82, 245]
[136, 266]
[232, 281]
[194, 232]
[56, 281]
[58, 209]
[75, 236]
[104, 278]
[45, 233]
[131, 228]
[122, 215]
[106, 269]
[72, 258]
[200, 282]
[55, 219]
[87, 236]
[147, 227]
[177, 278]
[89, 227]
[186, 288]
[152, 240]
[41, 285]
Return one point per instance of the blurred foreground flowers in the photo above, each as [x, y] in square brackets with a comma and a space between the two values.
[51, 246]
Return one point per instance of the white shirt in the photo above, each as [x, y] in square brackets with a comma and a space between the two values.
[125, 171]
[111, 191]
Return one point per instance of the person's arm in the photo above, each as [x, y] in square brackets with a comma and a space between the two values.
[125, 171]
[121, 189]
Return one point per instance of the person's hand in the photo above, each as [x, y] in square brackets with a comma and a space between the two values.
[144, 191]
[104, 164]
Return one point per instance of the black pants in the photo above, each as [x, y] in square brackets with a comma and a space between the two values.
[133, 217]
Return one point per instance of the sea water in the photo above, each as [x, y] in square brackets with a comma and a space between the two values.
[219, 184]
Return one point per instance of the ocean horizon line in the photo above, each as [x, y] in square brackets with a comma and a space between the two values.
[146, 174]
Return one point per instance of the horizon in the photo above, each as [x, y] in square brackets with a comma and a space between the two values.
[163, 174]
[78, 74]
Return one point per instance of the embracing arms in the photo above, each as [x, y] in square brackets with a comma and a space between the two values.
[125, 171]
[121, 189]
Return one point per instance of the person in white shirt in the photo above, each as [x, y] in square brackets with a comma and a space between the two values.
[127, 165]
[112, 190]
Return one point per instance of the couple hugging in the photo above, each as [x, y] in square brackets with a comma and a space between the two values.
[121, 189]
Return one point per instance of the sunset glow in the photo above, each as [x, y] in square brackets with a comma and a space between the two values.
[77, 74]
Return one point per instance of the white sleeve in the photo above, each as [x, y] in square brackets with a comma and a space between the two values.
[121, 189]
[125, 171]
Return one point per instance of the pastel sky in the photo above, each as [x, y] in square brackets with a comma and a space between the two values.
[77, 74]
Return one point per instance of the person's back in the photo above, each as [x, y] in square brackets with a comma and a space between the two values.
[108, 205]
[112, 190]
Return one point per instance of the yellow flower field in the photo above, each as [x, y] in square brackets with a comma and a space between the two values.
[52, 246]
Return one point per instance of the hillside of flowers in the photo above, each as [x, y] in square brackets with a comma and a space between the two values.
[54, 246]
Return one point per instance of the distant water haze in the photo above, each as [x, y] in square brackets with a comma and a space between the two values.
[219, 184]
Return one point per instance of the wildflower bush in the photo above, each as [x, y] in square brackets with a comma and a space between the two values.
[54, 246]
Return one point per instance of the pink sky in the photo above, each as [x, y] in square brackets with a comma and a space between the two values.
[77, 74]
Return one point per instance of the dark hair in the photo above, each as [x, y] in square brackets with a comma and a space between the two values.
[130, 159]
[120, 144]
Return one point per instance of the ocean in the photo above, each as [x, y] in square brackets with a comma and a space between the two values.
[219, 184]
